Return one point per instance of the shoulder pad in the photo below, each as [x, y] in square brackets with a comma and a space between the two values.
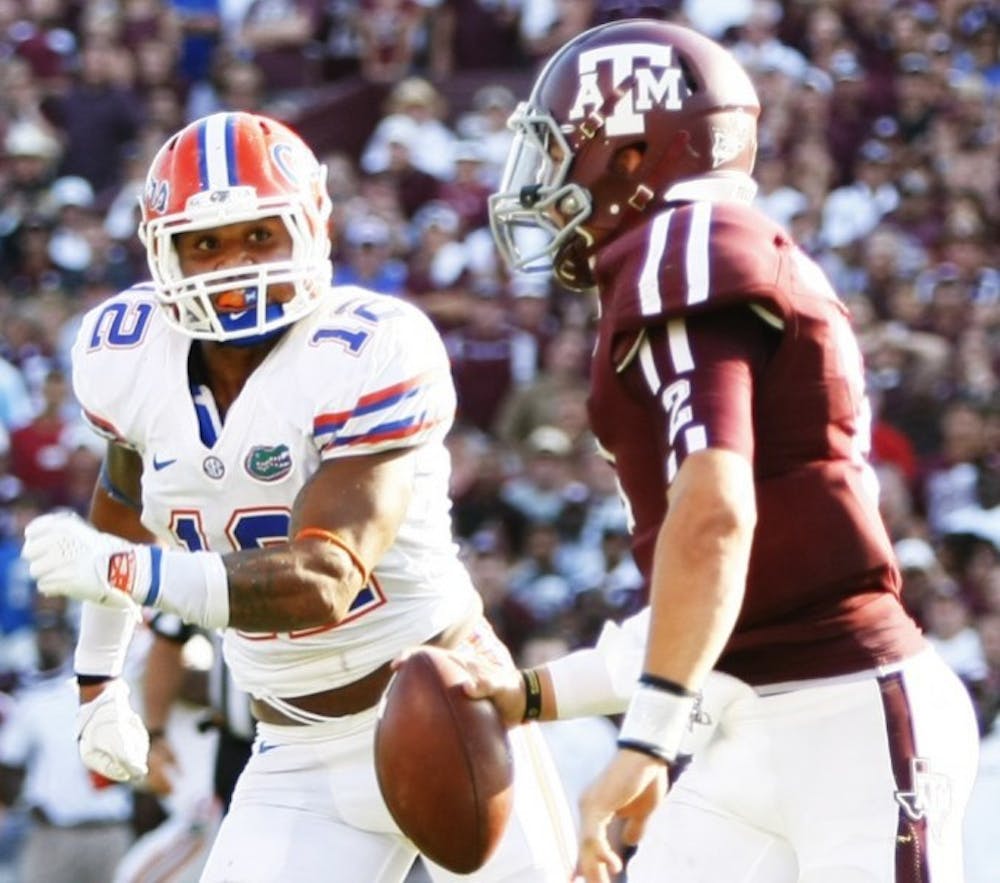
[111, 347]
[690, 258]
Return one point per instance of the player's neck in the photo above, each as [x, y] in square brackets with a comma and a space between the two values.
[227, 368]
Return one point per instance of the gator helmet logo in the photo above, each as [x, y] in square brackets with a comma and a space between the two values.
[268, 462]
[655, 81]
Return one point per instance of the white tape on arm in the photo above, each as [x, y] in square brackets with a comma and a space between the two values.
[194, 586]
[583, 686]
[600, 680]
[105, 633]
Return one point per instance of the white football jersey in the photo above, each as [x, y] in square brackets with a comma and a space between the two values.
[363, 373]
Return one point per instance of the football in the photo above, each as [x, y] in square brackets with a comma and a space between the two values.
[443, 762]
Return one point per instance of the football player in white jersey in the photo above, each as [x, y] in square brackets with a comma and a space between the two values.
[276, 467]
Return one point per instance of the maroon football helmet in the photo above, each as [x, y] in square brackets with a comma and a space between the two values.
[678, 97]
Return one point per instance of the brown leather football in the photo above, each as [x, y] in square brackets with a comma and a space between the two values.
[443, 762]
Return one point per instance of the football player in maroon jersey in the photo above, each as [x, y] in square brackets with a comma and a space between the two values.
[827, 741]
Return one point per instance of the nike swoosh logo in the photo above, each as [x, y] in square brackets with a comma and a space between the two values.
[267, 746]
[162, 464]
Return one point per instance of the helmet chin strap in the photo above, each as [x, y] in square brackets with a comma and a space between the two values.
[571, 264]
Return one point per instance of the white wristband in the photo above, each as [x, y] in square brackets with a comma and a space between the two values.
[192, 585]
[656, 721]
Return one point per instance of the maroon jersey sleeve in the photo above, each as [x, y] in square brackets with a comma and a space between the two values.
[698, 373]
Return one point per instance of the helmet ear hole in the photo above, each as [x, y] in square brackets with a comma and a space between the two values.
[627, 159]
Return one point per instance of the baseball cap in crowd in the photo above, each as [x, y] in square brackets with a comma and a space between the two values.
[914, 63]
[875, 151]
[914, 553]
[398, 128]
[436, 214]
[30, 139]
[817, 79]
[467, 151]
[914, 182]
[549, 440]
[414, 91]
[71, 190]
[367, 230]
[494, 98]
[844, 65]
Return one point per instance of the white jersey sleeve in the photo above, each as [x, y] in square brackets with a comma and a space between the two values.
[401, 393]
[110, 346]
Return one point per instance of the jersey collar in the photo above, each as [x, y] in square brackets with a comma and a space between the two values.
[721, 187]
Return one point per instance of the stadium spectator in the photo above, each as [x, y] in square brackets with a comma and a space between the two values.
[415, 112]
[437, 269]
[281, 37]
[390, 34]
[472, 35]
[17, 591]
[948, 625]
[489, 358]
[466, 192]
[98, 120]
[485, 123]
[368, 258]
[80, 824]
[16, 407]
[533, 404]
[391, 162]
[39, 450]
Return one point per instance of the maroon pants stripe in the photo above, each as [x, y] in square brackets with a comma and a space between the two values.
[911, 834]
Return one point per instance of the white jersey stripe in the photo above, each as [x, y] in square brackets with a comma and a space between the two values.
[650, 301]
[695, 438]
[649, 367]
[680, 349]
[216, 155]
[696, 257]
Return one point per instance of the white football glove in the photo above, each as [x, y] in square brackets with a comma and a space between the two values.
[67, 556]
[111, 737]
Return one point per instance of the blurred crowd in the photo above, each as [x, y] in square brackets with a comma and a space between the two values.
[879, 150]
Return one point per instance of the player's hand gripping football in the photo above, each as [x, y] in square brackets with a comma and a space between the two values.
[630, 788]
[501, 684]
[111, 737]
[66, 556]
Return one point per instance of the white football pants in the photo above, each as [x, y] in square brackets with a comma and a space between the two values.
[861, 779]
[307, 808]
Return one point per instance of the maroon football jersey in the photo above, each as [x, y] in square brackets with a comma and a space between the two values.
[717, 331]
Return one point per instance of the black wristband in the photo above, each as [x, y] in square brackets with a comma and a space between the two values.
[156, 733]
[665, 684]
[644, 748]
[92, 680]
[532, 694]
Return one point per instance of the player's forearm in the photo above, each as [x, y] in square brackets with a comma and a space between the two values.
[164, 676]
[697, 585]
[699, 567]
[290, 588]
[303, 585]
